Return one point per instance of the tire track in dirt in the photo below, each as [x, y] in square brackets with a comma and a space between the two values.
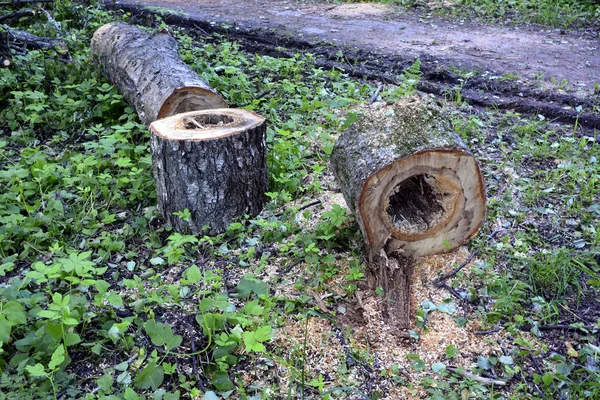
[527, 69]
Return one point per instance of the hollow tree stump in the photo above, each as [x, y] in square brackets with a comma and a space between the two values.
[415, 190]
[211, 162]
[148, 72]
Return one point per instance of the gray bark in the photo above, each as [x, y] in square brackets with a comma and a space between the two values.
[217, 172]
[148, 71]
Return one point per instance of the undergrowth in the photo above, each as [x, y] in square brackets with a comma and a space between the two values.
[100, 299]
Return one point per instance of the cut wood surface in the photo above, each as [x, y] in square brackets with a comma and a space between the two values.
[148, 71]
[211, 162]
[414, 187]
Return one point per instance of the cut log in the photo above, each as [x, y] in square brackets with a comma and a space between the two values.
[211, 162]
[414, 187]
[148, 71]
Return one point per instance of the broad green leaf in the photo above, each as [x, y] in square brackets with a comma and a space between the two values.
[150, 377]
[193, 274]
[72, 338]
[48, 314]
[130, 394]
[5, 328]
[263, 333]
[36, 370]
[249, 284]
[115, 299]
[57, 357]
[14, 313]
[106, 383]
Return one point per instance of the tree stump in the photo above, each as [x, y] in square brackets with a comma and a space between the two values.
[148, 71]
[415, 190]
[211, 162]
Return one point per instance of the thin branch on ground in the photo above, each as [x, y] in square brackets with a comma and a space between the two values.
[377, 92]
[19, 2]
[442, 278]
[551, 327]
[482, 333]
[478, 378]
[304, 207]
[15, 16]
[195, 367]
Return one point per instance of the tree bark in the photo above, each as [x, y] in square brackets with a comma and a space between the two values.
[148, 71]
[211, 162]
[414, 187]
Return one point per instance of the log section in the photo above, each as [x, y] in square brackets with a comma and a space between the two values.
[414, 187]
[211, 162]
[148, 71]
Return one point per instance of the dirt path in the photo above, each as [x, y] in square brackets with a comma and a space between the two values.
[522, 67]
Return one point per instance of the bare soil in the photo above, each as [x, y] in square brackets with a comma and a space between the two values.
[527, 68]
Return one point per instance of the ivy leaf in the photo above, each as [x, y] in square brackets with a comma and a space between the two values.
[221, 381]
[151, 377]
[210, 395]
[447, 308]
[162, 334]
[249, 284]
[451, 351]
[438, 367]
[253, 340]
[506, 360]
[484, 363]
[252, 344]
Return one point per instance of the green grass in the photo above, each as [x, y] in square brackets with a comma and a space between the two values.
[99, 299]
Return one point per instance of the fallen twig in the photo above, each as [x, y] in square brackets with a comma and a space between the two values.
[195, 366]
[288, 269]
[304, 207]
[32, 41]
[442, 278]
[320, 302]
[481, 333]
[478, 378]
[374, 97]
[19, 2]
[454, 293]
[12, 17]
[51, 20]
[551, 327]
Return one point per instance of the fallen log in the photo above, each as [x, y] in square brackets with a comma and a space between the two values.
[415, 190]
[212, 163]
[148, 71]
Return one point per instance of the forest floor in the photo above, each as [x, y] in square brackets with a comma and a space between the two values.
[104, 300]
